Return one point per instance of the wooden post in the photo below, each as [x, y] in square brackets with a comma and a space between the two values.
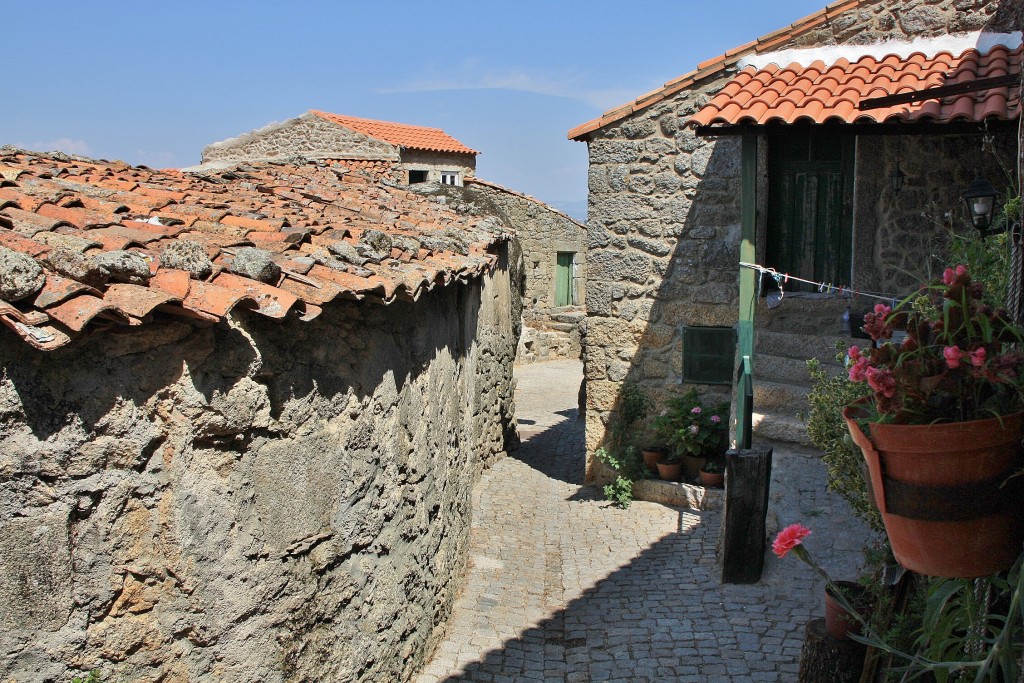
[747, 477]
[827, 660]
[748, 294]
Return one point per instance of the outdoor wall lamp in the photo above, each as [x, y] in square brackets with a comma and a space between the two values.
[981, 203]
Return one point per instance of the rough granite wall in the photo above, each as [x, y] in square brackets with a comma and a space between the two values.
[252, 501]
[307, 136]
[435, 162]
[664, 214]
[900, 238]
[549, 332]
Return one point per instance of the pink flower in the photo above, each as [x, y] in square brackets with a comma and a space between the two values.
[716, 419]
[882, 310]
[858, 371]
[694, 429]
[953, 354]
[882, 381]
[948, 277]
[789, 538]
[854, 353]
[696, 410]
[978, 357]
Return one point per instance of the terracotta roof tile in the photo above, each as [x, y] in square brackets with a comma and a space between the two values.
[714, 66]
[111, 206]
[819, 93]
[401, 134]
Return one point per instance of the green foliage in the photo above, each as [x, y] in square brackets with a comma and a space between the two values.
[988, 259]
[970, 630]
[620, 492]
[688, 427]
[620, 451]
[828, 432]
[92, 677]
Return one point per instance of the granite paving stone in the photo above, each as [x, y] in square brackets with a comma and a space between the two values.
[563, 586]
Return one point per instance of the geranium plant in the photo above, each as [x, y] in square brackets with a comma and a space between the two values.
[960, 359]
[690, 428]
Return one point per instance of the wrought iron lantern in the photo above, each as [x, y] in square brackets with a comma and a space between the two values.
[981, 204]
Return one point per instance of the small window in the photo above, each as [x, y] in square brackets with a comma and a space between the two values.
[449, 177]
[417, 177]
[708, 354]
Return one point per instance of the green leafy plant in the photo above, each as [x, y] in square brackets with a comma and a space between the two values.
[714, 466]
[828, 432]
[91, 677]
[690, 428]
[972, 630]
[620, 451]
[620, 492]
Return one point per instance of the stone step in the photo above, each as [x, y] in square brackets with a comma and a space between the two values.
[803, 346]
[786, 370]
[780, 427]
[770, 395]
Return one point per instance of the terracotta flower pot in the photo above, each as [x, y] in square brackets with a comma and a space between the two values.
[670, 471]
[838, 621]
[950, 505]
[712, 480]
[692, 465]
[651, 457]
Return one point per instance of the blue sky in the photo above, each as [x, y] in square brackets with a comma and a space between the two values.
[153, 83]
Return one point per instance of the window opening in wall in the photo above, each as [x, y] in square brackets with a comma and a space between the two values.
[708, 354]
[449, 177]
[417, 177]
[565, 278]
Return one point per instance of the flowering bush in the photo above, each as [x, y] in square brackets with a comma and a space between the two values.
[960, 359]
[690, 428]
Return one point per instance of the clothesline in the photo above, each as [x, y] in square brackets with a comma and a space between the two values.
[783, 278]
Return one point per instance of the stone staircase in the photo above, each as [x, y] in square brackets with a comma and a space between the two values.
[785, 340]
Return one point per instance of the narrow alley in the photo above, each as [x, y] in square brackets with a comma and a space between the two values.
[564, 587]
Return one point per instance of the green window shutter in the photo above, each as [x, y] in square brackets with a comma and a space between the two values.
[564, 295]
[708, 354]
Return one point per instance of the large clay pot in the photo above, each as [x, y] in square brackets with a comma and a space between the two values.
[950, 504]
[670, 471]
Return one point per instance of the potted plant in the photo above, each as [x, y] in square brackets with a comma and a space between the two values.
[942, 427]
[692, 431]
[839, 620]
[712, 474]
[652, 455]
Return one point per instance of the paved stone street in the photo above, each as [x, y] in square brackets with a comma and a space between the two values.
[564, 587]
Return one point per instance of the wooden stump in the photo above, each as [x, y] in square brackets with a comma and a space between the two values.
[747, 477]
[827, 660]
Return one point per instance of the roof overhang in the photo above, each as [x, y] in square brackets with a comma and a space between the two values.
[904, 91]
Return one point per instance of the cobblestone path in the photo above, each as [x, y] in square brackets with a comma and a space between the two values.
[564, 587]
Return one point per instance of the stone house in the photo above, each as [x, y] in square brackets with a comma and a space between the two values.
[432, 162]
[241, 413]
[761, 155]
[417, 154]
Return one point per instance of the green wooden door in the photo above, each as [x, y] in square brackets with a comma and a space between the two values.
[564, 291]
[810, 207]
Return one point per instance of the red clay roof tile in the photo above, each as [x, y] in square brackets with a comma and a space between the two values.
[401, 134]
[821, 93]
[98, 206]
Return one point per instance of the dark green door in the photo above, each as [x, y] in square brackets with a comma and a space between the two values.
[810, 207]
[565, 294]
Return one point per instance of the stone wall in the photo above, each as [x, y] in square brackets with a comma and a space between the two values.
[307, 136]
[250, 501]
[664, 214]
[435, 162]
[900, 238]
[550, 332]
